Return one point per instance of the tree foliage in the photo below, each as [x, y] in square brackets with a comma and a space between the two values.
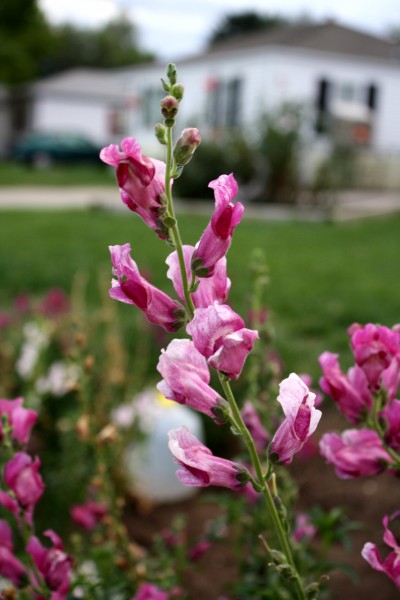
[246, 22]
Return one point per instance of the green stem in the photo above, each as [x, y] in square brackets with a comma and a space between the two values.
[174, 230]
[279, 530]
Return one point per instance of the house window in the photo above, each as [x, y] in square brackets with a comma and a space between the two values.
[224, 102]
[322, 105]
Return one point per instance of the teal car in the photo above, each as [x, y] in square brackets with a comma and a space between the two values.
[44, 149]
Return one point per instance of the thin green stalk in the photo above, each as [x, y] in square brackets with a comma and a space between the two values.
[174, 230]
[280, 532]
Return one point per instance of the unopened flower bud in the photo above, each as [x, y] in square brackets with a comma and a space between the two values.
[186, 145]
[169, 107]
[171, 73]
[161, 133]
[177, 91]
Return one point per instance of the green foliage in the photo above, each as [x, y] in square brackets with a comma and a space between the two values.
[13, 174]
[246, 22]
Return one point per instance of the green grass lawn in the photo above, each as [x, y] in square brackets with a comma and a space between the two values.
[323, 276]
[14, 174]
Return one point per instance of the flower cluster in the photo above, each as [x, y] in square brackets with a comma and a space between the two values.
[22, 491]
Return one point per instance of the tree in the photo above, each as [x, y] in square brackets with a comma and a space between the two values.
[246, 22]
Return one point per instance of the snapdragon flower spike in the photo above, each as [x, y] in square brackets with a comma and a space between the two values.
[375, 349]
[391, 564]
[217, 237]
[355, 453]
[351, 392]
[21, 419]
[53, 564]
[186, 377]
[219, 334]
[214, 288]
[141, 182]
[21, 475]
[10, 567]
[199, 467]
[130, 287]
[301, 419]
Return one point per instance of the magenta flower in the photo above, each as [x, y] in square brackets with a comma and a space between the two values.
[197, 551]
[10, 567]
[301, 419]
[199, 467]
[354, 453]
[55, 303]
[53, 564]
[21, 475]
[216, 239]
[256, 428]
[186, 377]
[149, 591]
[219, 334]
[21, 419]
[391, 414]
[391, 565]
[375, 347]
[214, 288]
[304, 529]
[89, 514]
[130, 287]
[351, 392]
[141, 182]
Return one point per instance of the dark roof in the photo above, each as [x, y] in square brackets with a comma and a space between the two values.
[326, 37]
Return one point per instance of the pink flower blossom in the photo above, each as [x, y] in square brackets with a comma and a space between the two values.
[304, 529]
[197, 551]
[211, 289]
[199, 467]
[130, 287]
[308, 381]
[21, 419]
[186, 377]
[53, 564]
[141, 182]
[391, 414]
[10, 567]
[354, 453]
[256, 428]
[351, 392]
[21, 475]
[217, 237]
[149, 591]
[391, 565]
[219, 334]
[89, 514]
[301, 419]
[55, 303]
[375, 347]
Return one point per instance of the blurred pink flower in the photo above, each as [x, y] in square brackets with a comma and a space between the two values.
[391, 565]
[219, 334]
[186, 377]
[301, 419]
[149, 591]
[10, 567]
[391, 414]
[304, 529]
[256, 428]
[354, 453]
[89, 514]
[21, 475]
[210, 289]
[130, 287]
[199, 467]
[216, 239]
[141, 182]
[53, 564]
[21, 419]
[55, 303]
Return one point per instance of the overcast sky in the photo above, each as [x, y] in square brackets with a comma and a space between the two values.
[176, 28]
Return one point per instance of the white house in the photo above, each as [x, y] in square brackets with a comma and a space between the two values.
[347, 81]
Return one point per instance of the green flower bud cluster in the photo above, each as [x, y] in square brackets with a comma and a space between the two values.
[170, 103]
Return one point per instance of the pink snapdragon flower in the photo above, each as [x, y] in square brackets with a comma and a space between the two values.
[391, 414]
[391, 565]
[10, 567]
[21, 419]
[21, 475]
[350, 392]
[354, 453]
[219, 334]
[53, 564]
[216, 239]
[211, 289]
[130, 287]
[186, 377]
[89, 514]
[141, 182]
[256, 428]
[304, 529]
[199, 467]
[301, 419]
[149, 591]
[375, 348]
